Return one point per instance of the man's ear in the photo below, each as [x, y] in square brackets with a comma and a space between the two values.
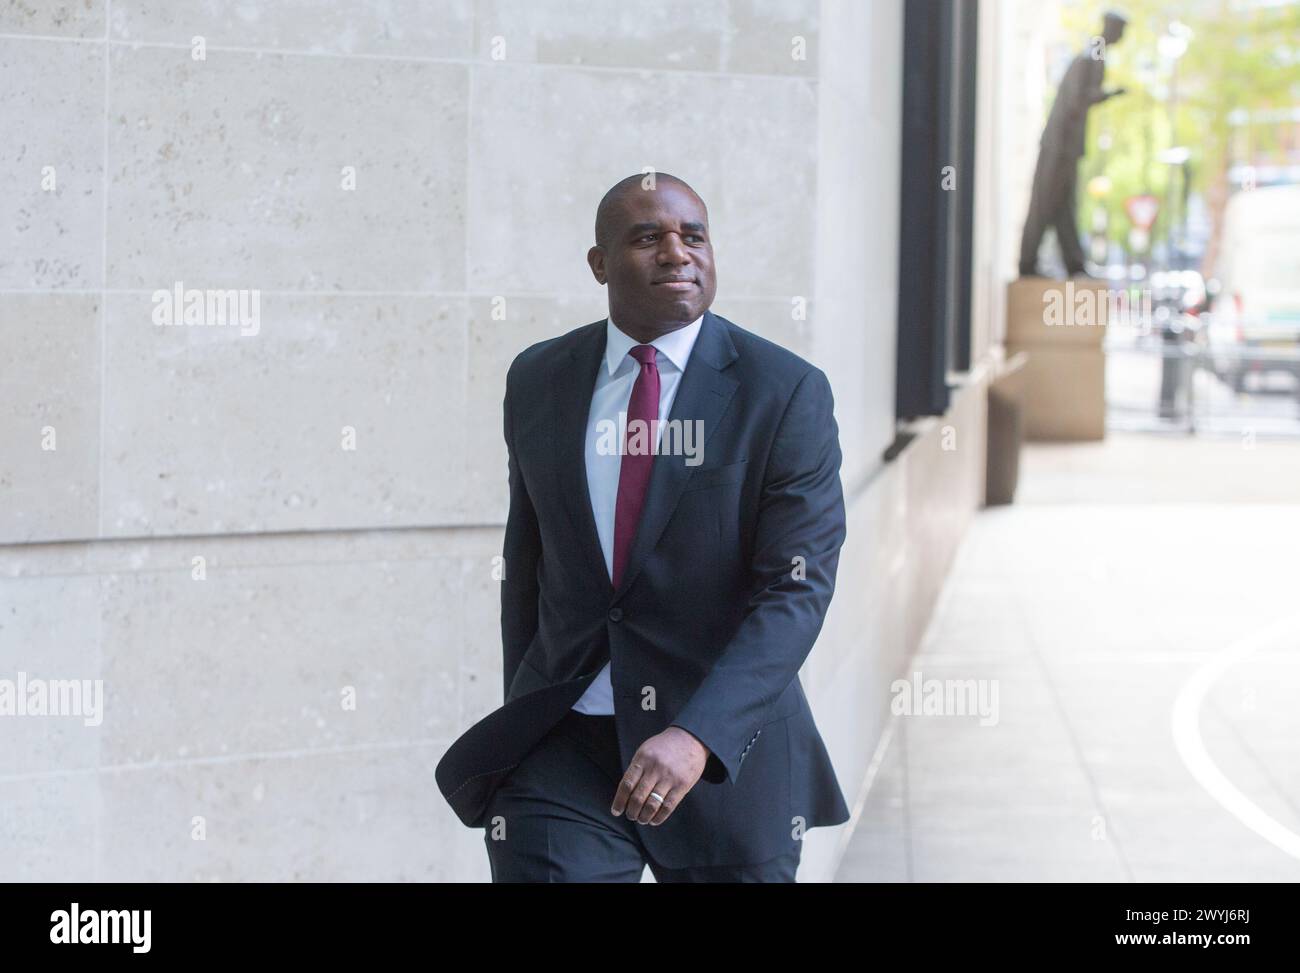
[596, 261]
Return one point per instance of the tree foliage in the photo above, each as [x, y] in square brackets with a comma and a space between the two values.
[1227, 99]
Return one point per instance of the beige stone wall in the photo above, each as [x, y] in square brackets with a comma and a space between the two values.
[200, 540]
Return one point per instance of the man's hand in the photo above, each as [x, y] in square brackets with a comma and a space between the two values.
[669, 763]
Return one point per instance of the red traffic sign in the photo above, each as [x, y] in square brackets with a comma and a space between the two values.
[1142, 211]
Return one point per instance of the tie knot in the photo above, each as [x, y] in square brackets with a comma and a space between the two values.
[645, 354]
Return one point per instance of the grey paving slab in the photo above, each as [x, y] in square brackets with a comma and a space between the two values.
[1097, 608]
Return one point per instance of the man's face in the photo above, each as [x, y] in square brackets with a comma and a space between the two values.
[658, 259]
[1113, 31]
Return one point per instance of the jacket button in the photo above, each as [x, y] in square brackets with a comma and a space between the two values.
[615, 614]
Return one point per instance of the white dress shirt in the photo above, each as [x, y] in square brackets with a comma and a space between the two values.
[609, 397]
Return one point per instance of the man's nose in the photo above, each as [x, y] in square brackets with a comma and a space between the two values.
[671, 250]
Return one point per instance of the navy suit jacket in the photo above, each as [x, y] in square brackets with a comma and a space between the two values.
[724, 592]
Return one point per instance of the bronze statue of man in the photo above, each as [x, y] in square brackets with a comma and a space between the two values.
[1052, 202]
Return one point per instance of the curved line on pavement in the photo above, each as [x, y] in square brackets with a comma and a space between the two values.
[1187, 736]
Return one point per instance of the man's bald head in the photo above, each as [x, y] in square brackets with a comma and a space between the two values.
[654, 255]
[611, 204]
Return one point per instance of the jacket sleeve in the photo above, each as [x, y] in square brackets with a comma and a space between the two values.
[800, 516]
[521, 551]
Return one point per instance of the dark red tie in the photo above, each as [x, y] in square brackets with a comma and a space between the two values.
[634, 469]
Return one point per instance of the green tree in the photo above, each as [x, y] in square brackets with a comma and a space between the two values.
[1239, 76]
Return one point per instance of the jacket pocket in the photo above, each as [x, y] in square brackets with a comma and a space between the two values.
[786, 705]
[709, 476]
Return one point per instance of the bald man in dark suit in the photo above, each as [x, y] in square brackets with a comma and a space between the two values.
[659, 597]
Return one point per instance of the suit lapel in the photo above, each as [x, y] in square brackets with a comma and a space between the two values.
[703, 394]
[571, 384]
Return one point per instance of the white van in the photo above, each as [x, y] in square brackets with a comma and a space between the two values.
[1255, 326]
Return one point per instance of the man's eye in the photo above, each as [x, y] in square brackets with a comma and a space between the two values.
[648, 236]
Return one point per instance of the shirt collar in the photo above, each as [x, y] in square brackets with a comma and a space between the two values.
[675, 345]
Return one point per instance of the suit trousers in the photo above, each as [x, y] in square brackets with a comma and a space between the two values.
[549, 820]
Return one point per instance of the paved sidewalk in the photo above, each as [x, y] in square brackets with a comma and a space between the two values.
[1097, 607]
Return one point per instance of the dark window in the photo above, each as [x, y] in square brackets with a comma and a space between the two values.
[934, 280]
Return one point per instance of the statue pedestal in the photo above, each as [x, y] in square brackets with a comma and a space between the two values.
[1061, 325]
